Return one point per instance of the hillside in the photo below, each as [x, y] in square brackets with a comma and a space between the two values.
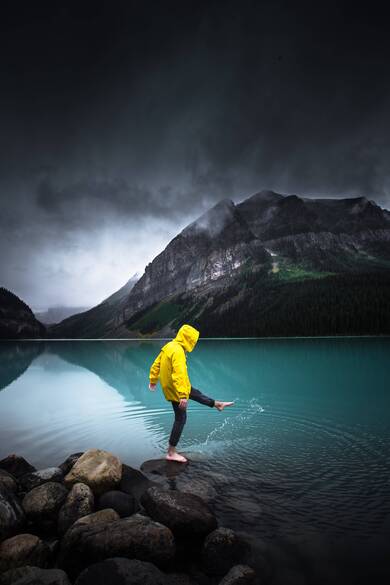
[17, 320]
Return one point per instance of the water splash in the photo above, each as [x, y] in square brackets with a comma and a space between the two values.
[233, 422]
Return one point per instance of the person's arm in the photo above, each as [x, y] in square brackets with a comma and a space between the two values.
[180, 376]
[154, 372]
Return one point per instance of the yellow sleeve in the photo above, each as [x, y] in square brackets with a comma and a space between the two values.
[155, 370]
[179, 373]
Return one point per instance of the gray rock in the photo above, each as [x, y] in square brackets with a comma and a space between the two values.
[184, 514]
[79, 502]
[16, 465]
[34, 576]
[122, 571]
[134, 482]
[134, 537]
[7, 481]
[100, 517]
[29, 481]
[162, 467]
[124, 504]
[12, 517]
[67, 465]
[23, 549]
[239, 575]
[222, 549]
[199, 487]
[99, 469]
[43, 503]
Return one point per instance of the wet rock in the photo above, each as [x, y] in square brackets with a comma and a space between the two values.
[43, 503]
[29, 481]
[67, 465]
[100, 517]
[199, 487]
[124, 504]
[133, 482]
[239, 575]
[184, 514]
[100, 470]
[7, 481]
[222, 549]
[162, 467]
[23, 549]
[34, 576]
[12, 517]
[79, 502]
[16, 465]
[122, 571]
[134, 537]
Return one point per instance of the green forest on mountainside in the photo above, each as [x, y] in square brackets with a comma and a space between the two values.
[339, 304]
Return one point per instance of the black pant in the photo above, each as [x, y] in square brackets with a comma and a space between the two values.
[181, 414]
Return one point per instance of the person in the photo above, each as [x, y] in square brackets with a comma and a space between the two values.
[170, 367]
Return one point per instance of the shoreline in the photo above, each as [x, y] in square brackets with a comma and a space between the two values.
[93, 514]
[384, 336]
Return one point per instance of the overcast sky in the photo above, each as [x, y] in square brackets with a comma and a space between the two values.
[120, 122]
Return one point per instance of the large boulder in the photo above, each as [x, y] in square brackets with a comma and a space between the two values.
[100, 470]
[12, 517]
[34, 576]
[79, 502]
[16, 465]
[43, 503]
[99, 517]
[239, 575]
[7, 481]
[135, 537]
[222, 549]
[124, 504]
[134, 482]
[122, 571]
[23, 549]
[28, 481]
[200, 487]
[67, 465]
[184, 514]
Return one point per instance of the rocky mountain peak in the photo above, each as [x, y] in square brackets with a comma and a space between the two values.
[213, 221]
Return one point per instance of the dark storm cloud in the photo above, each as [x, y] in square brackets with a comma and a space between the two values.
[131, 118]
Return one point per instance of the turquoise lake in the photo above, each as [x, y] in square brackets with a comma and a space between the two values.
[301, 463]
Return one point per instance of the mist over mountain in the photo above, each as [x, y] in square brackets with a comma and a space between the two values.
[96, 321]
[239, 268]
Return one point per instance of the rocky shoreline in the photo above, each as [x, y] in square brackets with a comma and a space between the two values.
[96, 520]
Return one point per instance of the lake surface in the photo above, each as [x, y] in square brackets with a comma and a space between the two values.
[301, 463]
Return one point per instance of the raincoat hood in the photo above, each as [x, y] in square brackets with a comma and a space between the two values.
[187, 336]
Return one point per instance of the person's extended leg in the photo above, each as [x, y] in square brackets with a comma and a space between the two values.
[177, 428]
[197, 395]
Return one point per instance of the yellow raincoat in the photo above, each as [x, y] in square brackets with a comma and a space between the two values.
[170, 366]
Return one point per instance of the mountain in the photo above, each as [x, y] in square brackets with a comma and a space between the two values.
[271, 265]
[17, 320]
[56, 314]
[95, 322]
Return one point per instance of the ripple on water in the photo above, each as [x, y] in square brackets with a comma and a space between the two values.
[294, 469]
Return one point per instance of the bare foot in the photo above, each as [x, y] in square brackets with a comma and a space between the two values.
[221, 405]
[176, 457]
